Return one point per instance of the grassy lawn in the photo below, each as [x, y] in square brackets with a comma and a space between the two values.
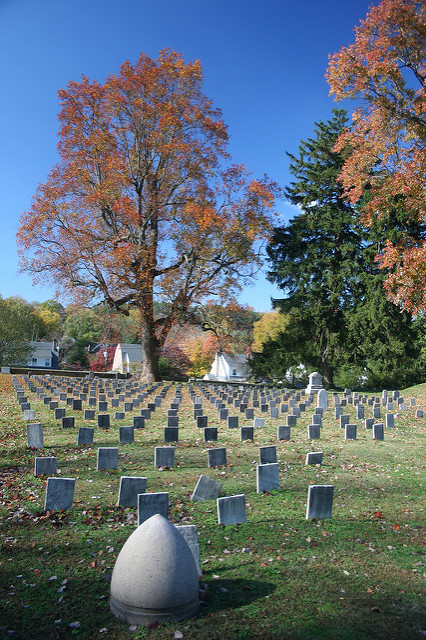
[357, 576]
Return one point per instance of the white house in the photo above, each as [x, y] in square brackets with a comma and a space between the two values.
[228, 367]
[127, 358]
[45, 355]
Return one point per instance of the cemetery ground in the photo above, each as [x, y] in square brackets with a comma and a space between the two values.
[358, 575]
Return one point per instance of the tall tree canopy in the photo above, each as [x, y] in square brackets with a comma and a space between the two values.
[385, 71]
[338, 318]
[314, 257]
[140, 204]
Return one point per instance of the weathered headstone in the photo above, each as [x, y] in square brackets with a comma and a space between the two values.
[107, 458]
[45, 466]
[130, 487]
[314, 457]
[217, 457]
[138, 422]
[283, 433]
[268, 454]
[126, 434]
[259, 423]
[231, 509]
[85, 435]
[378, 433]
[206, 489]
[151, 503]
[315, 383]
[344, 420]
[247, 433]
[210, 434]
[232, 422]
[267, 477]
[389, 420]
[103, 420]
[350, 432]
[314, 431]
[59, 494]
[322, 399]
[320, 501]
[35, 435]
[29, 414]
[68, 422]
[164, 457]
[369, 423]
[190, 533]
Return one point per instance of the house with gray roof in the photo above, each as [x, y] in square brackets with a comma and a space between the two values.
[127, 358]
[45, 355]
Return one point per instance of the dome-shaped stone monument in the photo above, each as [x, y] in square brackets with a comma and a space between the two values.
[155, 577]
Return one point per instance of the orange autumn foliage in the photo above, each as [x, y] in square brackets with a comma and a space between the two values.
[140, 204]
[385, 70]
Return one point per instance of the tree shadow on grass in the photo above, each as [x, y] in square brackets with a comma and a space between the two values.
[232, 594]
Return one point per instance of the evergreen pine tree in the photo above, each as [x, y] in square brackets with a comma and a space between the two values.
[324, 261]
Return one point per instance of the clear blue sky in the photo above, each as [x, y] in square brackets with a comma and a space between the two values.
[263, 63]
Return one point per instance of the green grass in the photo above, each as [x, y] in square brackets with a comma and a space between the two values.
[356, 576]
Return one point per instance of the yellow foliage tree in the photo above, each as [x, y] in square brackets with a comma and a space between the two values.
[267, 328]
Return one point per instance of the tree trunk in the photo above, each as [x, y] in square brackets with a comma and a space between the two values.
[150, 349]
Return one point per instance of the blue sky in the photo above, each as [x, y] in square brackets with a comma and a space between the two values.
[263, 64]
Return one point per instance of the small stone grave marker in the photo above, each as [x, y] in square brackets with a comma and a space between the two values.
[232, 422]
[217, 457]
[138, 422]
[130, 487]
[29, 414]
[231, 509]
[107, 458]
[164, 457]
[378, 433]
[126, 434]
[210, 433]
[171, 434]
[268, 454]
[320, 501]
[350, 432]
[390, 420]
[89, 414]
[103, 420]
[59, 494]
[247, 433]
[85, 435]
[45, 466]
[283, 433]
[369, 423]
[314, 457]
[202, 422]
[291, 421]
[267, 477]
[151, 503]
[189, 532]
[344, 420]
[206, 489]
[314, 432]
[35, 435]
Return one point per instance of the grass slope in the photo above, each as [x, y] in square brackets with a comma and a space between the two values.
[356, 576]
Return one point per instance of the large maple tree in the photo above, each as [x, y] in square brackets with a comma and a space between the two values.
[385, 70]
[144, 204]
